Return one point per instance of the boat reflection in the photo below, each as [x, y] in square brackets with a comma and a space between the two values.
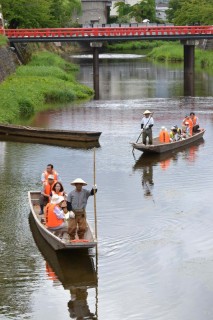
[75, 271]
[60, 143]
[146, 162]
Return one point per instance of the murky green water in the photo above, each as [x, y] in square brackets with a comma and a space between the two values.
[155, 250]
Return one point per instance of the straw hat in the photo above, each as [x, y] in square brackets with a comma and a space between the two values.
[56, 199]
[78, 180]
[163, 128]
[147, 112]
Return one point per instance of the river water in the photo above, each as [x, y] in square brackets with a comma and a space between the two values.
[155, 252]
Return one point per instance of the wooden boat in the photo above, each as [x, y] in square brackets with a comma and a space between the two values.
[158, 147]
[72, 270]
[55, 242]
[51, 134]
[52, 142]
[152, 159]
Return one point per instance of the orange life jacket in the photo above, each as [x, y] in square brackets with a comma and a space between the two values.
[48, 187]
[54, 173]
[190, 124]
[194, 120]
[51, 219]
[164, 137]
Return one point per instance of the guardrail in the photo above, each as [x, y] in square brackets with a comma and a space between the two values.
[109, 32]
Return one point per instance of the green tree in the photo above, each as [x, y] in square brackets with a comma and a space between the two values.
[190, 12]
[173, 6]
[145, 9]
[39, 13]
[123, 10]
[62, 11]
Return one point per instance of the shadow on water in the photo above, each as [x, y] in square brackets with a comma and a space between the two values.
[153, 159]
[146, 162]
[74, 270]
[70, 144]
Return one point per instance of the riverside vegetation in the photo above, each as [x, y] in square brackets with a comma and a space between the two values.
[166, 51]
[46, 80]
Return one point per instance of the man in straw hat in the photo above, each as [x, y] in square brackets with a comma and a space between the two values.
[147, 123]
[77, 201]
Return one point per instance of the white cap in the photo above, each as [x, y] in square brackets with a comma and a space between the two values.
[51, 176]
[56, 199]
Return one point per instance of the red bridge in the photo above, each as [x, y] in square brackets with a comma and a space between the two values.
[110, 34]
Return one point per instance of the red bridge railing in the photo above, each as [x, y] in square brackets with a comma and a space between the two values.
[108, 32]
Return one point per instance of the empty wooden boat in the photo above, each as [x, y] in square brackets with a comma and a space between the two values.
[50, 134]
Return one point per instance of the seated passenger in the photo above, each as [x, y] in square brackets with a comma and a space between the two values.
[195, 122]
[178, 129]
[49, 170]
[186, 133]
[58, 189]
[164, 135]
[189, 120]
[46, 192]
[174, 135]
[55, 218]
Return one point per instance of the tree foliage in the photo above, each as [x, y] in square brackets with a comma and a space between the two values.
[38, 13]
[144, 9]
[190, 12]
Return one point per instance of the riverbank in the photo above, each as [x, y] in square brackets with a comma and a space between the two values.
[46, 80]
[166, 52]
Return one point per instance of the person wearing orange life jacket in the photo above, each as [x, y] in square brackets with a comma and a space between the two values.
[186, 131]
[46, 192]
[58, 189]
[195, 121]
[55, 218]
[189, 120]
[49, 170]
[164, 135]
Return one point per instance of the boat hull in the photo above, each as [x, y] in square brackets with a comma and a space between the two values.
[55, 242]
[50, 134]
[166, 147]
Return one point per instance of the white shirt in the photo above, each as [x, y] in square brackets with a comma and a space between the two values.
[146, 122]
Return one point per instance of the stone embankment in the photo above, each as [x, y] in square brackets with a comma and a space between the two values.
[8, 62]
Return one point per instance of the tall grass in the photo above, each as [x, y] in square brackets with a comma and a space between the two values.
[134, 45]
[174, 52]
[3, 40]
[46, 79]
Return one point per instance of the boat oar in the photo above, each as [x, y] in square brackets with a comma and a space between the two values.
[139, 136]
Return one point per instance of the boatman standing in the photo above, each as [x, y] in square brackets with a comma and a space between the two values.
[77, 201]
[147, 123]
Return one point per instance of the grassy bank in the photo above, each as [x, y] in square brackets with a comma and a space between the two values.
[174, 52]
[46, 79]
[165, 51]
[134, 45]
[3, 40]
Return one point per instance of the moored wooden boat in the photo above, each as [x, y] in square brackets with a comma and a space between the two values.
[51, 134]
[54, 241]
[158, 147]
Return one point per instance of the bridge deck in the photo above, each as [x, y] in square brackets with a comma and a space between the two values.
[110, 33]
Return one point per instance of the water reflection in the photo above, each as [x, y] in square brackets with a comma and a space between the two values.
[68, 144]
[146, 162]
[74, 270]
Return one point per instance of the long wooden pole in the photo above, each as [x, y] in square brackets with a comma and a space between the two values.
[95, 215]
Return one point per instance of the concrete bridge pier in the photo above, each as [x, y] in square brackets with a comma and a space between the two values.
[189, 63]
[96, 46]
